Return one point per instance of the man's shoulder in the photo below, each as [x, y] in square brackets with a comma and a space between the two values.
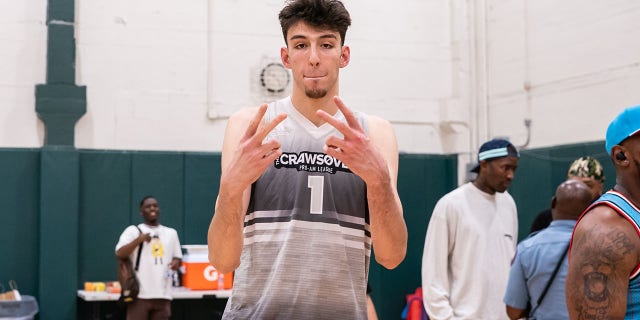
[456, 196]
[130, 229]
[505, 196]
[461, 191]
[168, 232]
[606, 218]
[528, 244]
[166, 228]
[243, 115]
[544, 237]
[530, 240]
[505, 200]
[373, 120]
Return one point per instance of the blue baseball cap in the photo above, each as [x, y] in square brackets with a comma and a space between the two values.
[495, 148]
[626, 124]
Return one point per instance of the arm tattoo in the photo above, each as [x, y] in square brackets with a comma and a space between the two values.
[599, 257]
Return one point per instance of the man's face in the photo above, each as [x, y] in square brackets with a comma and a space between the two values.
[314, 57]
[596, 186]
[499, 173]
[150, 211]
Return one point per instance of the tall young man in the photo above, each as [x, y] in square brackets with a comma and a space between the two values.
[308, 186]
[538, 272]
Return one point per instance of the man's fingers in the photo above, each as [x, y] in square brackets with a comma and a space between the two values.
[270, 152]
[255, 122]
[339, 125]
[268, 127]
[348, 114]
[347, 129]
[260, 130]
[269, 147]
[335, 142]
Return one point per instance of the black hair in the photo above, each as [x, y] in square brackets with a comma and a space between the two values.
[145, 199]
[326, 14]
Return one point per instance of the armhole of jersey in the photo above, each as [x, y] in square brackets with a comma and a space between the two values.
[365, 123]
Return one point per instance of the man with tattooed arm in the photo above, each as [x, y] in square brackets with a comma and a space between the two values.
[604, 259]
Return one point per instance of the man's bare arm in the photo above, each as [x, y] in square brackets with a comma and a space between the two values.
[375, 159]
[244, 158]
[388, 228]
[603, 254]
[126, 250]
[515, 313]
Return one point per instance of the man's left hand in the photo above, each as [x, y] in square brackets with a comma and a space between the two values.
[355, 149]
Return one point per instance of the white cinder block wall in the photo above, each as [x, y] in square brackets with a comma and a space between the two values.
[23, 38]
[165, 74]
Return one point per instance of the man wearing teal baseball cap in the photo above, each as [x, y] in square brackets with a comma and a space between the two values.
[604, 259]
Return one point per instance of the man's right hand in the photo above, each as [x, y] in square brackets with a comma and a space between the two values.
[245, 156]
[146, 237]
[252, 155]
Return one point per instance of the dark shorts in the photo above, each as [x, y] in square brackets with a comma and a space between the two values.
[152, 309]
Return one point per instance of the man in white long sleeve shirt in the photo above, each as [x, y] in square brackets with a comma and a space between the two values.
[471, 239]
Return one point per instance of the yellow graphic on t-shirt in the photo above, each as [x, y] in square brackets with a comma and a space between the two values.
[157, 250]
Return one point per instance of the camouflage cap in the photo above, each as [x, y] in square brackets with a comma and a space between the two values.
[587, 167]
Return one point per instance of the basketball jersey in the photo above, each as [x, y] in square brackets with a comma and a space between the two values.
[307, 243]
[630, 212]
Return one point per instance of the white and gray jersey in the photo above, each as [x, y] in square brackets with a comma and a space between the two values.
[306, 233]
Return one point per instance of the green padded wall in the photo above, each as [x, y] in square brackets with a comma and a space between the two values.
[202, 180]
[19, 218]
[160, 174]
[422, 180]
[112, 184]
[58, 246]
[105, 209]
[540, 171]
[65, 209]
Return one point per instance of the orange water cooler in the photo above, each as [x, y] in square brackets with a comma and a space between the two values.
[199, 274]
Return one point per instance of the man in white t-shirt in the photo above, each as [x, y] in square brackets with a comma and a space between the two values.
[161, 255]
[470, 241]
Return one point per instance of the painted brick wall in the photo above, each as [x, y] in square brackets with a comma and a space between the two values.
[164, 75]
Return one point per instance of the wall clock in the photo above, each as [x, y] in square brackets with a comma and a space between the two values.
[274, 77]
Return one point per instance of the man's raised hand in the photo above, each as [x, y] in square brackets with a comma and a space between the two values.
[253, 155]
[355, 149]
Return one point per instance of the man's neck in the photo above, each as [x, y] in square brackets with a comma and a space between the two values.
[479, 183]
[308, 107]
[630, 191]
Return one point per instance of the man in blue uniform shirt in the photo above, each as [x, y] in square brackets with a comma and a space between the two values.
[538, 256]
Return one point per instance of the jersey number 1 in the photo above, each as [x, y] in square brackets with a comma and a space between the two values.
[316, 184]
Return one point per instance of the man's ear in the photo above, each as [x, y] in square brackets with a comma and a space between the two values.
[483, 165]
[553, 202]
[345, 56]
[618, 155]
[284, 56]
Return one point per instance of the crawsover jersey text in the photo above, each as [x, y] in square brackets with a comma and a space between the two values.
[310, 162]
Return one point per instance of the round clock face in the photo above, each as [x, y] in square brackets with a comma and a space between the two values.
[274, 77]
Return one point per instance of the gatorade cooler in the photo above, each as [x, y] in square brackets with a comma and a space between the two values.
[198, 274]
